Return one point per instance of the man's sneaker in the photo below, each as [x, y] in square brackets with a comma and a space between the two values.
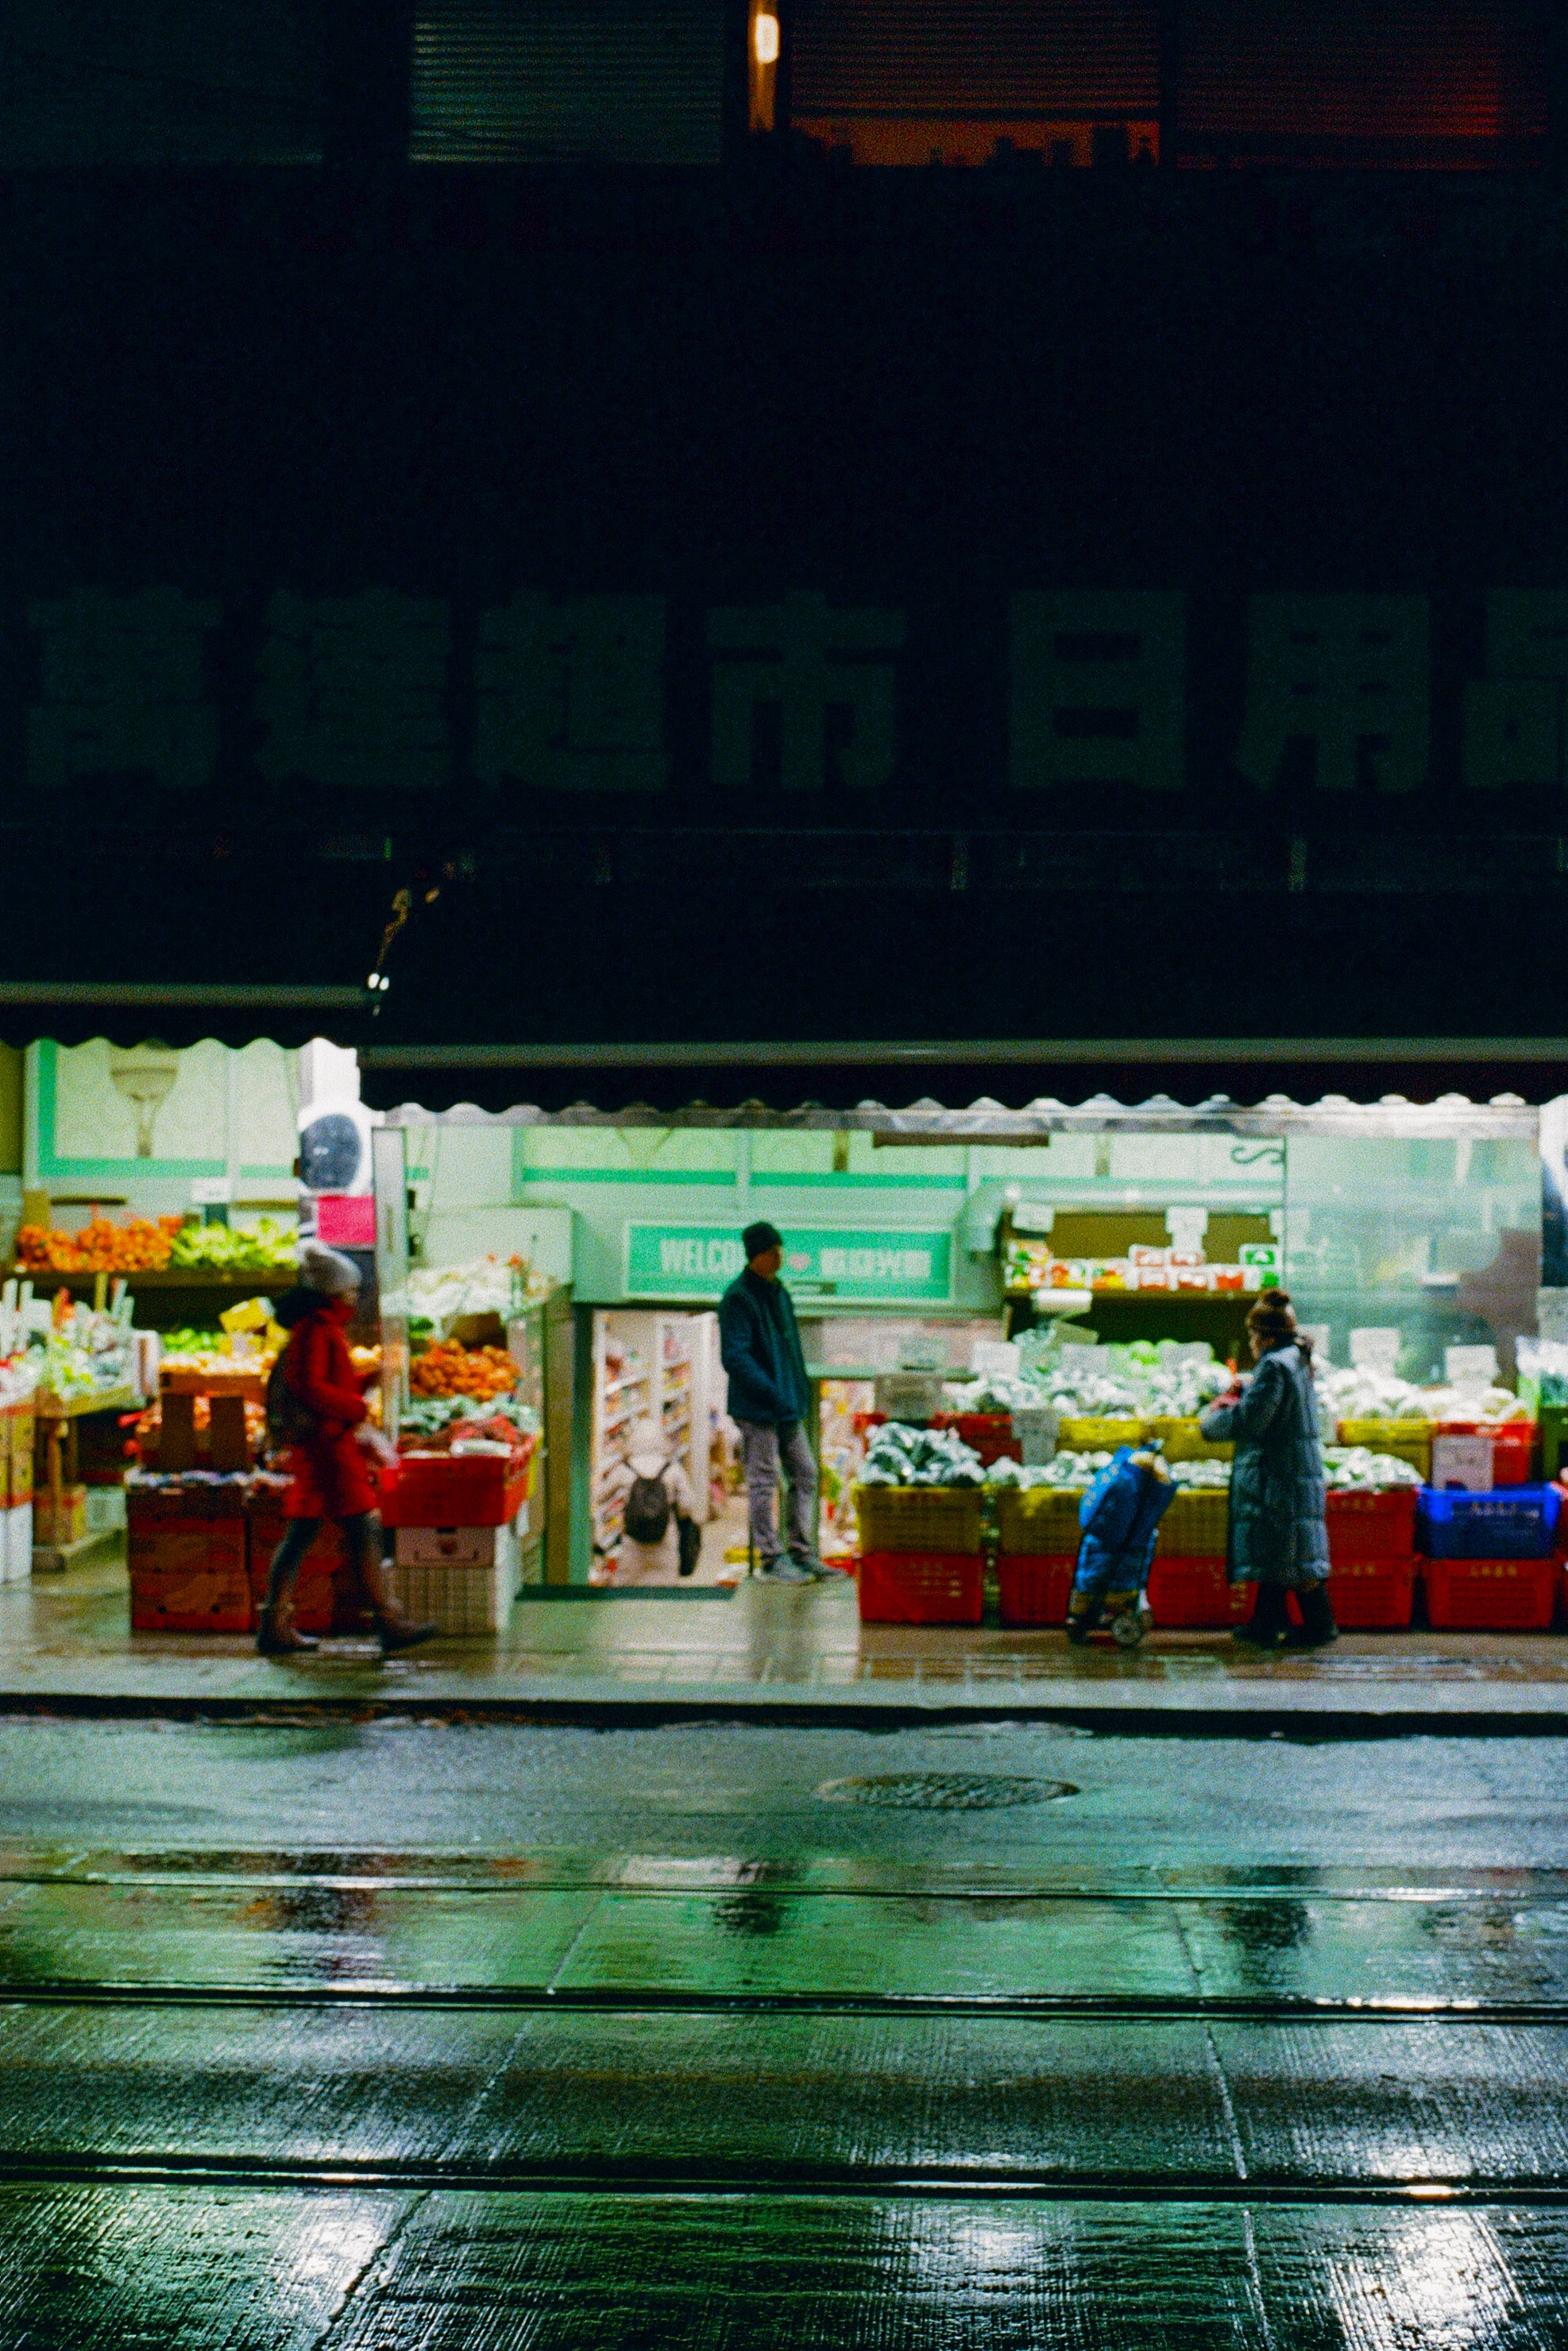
[785, 1569]
[815, 1567]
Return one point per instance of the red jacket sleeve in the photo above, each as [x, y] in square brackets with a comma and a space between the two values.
[323, 1376]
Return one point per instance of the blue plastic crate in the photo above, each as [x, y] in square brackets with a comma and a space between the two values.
[1512, 1523]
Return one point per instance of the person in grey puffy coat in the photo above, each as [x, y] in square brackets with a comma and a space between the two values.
[1278, 1534]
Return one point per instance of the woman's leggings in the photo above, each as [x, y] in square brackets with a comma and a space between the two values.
[363, 1549]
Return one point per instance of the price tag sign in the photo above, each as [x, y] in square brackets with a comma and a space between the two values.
[1470, 1367]
[1376, 1349]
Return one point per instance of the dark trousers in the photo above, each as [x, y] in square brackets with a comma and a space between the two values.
[1268, 1612]
[363, 1531]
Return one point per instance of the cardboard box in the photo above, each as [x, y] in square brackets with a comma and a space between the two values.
[455, 1547]
[190, 1600]
[22, 1431]
[1463, 1461]
[56, 1525]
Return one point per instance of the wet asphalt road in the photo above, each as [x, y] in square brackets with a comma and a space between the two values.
[337, 2035]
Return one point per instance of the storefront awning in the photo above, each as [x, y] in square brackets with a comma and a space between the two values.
[667, 1085]
[174, 1012]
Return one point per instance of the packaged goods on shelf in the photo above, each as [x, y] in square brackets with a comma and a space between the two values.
[81, 1354]
[1030, 1265]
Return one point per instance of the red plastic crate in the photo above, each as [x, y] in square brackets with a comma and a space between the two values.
[1034, 1587]
[1372, 1595]
[1491, 1595]
[444, 1490]
[989, 1433]
[1372, 1526]
[1513, 1448]
[900, 1587]
[1196, 1595]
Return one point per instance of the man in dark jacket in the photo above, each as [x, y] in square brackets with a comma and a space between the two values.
[769, 1394]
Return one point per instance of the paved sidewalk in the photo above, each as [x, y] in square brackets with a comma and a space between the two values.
[771, 1655]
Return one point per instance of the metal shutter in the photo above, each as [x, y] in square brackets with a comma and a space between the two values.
[90, 82]
[1326, 71]
[1056, 59]
[519, 80]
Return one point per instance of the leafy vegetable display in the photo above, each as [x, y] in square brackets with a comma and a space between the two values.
[267, 1247]
[898, 1455]
[1352, 1468]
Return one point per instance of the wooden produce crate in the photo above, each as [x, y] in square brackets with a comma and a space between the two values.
[918, 1517]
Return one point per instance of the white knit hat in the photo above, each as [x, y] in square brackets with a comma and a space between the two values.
[327, 1270]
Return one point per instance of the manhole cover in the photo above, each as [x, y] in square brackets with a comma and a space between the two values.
[943, 1792]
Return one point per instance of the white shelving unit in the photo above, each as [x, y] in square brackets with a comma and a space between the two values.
[649, 1365]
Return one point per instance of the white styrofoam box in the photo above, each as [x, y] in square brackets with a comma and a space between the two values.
[1464, 1461]
[105, 1509]
[458, 1599]
[16, 1541]
[457, 1547]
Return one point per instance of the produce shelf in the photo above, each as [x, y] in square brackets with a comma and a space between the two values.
[173, 1277]
[53, 1407]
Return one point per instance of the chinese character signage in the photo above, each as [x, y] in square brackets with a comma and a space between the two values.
[823, 1261]
[1095, 692]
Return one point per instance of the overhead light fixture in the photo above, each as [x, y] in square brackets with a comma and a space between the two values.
[765, 39]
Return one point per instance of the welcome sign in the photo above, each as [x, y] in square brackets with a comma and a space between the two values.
[820, 1262]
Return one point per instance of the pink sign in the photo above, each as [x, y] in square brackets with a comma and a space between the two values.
[345, 1220]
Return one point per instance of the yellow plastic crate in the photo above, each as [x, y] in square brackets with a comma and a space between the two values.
[1098, 1436]
[918, 1517]
[1194, 1527]
[1184, 1441]
[1036, 1518]
[1408, 1440]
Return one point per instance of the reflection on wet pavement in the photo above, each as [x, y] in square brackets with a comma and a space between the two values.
[371, 2036]
[284, 2269]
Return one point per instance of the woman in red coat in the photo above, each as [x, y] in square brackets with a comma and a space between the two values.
[329, 1463]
